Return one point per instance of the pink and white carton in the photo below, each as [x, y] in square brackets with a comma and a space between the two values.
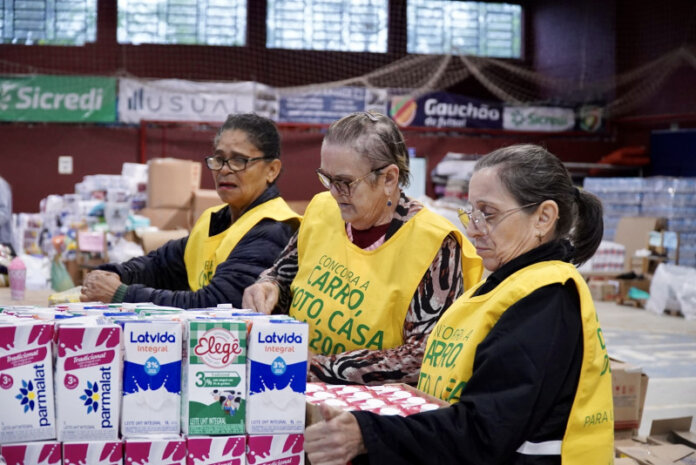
[155, 451]
[32, 453]
[88, 382]
[26, 382]
[277, 449]
[216, 450]
[93, 453]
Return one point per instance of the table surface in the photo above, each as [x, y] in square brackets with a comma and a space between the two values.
[31, 297]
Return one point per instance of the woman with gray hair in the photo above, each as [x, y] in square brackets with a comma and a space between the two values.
[370, 270]
[530, 382]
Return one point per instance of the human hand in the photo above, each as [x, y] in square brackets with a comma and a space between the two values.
[100, 286]
[261, 297]
[334, 441]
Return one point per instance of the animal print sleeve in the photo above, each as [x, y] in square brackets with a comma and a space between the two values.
[440, 286]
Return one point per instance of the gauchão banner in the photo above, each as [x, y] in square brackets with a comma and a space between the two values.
[65, 99]
[443, 110]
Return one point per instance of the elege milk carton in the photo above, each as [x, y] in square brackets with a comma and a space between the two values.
[88, 382]
[151, 378]
[219, 450]
[27, 411]
[214, 377]
[155, 451]
[275, 449]
[277, 372]
[32, 453]
[93, 453]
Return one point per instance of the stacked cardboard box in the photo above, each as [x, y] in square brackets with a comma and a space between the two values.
[670, 442]
[171, 185]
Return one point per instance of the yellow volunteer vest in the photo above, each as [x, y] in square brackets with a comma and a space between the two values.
[353, 298]
[204, 253]
[449, 357]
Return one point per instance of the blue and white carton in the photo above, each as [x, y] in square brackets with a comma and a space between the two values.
[277, 376]
[151, 378]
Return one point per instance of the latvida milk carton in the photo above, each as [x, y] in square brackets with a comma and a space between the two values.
[27, 411]
[277, 372]
[32, 453]
[214, 377]
[277, 449]
[151, 378]
[93, 453]
[155, 451]
[88, 381]
[218, 450]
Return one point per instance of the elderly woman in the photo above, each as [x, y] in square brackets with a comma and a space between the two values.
[530, 383]
[230, 244]
[370, 270]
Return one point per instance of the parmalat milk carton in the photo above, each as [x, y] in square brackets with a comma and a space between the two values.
[277, 372]
[88, 381]
[27, 409]
[217, 450]
[93, 453]
[32, 453]
[214, 377]
[151, 378]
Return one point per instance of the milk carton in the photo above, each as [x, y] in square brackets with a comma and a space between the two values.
[32, 453]
[151, 378]
[214, 377]
[93, 453]
[277, 372]
[155, 451]
[208, 450]
[275, 449]
[27, 411]
[88, 382]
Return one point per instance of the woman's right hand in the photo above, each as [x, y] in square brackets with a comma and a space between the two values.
[261, 297]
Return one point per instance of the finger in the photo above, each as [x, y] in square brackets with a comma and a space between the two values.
[327, 412]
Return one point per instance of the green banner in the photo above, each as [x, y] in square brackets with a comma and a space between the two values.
[66, 99]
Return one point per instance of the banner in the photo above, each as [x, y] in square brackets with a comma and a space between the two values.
[179, 100]
[65, 99]
[443, 110]
[543, 119]
[328, 105]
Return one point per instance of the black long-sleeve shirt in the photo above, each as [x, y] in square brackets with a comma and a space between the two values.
[160, 277]
[523, 384]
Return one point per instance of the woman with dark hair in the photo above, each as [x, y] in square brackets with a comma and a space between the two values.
[370, 270]
[520, 356]
[230, 244]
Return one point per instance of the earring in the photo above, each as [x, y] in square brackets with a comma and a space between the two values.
[389, 203]
[539, 236]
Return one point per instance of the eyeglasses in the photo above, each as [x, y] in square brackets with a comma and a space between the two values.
[343, 187]
[481, 221]
[235, 164]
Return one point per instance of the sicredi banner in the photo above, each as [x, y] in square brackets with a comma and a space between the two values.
[180, 100]
[444, 110]
[65, 99]
[543, 119]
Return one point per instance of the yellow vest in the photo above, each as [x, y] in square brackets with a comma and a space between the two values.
[204, 253]
[358, 299]
[449, 357]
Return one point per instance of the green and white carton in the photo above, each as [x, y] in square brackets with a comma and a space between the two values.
[214, 377]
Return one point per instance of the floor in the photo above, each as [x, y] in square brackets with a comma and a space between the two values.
[665, 347]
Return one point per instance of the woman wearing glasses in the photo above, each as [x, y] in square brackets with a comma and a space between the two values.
[370, 270]
[229, 245]
[530, 382]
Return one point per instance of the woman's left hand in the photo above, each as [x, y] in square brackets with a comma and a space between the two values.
[336, 440]
[100, 286]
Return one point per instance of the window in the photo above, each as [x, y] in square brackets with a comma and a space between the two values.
[48, 22]
[464, 28]
[195, 22]
[336, 25]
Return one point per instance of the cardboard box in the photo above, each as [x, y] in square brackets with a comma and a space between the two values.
[629, 385]
[171, 182]
[151, 240]
[202, 200]
[654, 454]
[168, 218]
[672, 431]
[603, 289]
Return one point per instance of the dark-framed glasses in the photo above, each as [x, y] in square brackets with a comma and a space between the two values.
[341, 186]
[481, 221]
[235, 164]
